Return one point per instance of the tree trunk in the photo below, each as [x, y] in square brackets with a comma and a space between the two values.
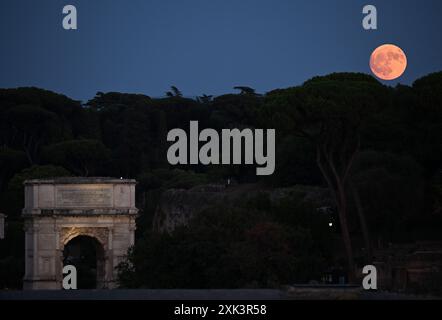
[342, 211]
[362, 221]
[337, 190]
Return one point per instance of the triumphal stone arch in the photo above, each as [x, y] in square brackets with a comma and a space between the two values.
[57, 211]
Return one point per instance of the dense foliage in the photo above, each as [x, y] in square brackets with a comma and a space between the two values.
[385, 142]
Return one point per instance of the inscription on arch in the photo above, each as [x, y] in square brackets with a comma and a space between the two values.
[84, 196]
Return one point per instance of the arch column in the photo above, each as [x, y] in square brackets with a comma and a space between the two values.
[40, 255]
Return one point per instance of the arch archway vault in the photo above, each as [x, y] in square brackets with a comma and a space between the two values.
[59, 210]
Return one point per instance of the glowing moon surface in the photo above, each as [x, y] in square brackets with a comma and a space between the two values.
[388, 62]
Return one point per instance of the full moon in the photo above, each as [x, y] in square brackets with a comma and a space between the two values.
[388, 62]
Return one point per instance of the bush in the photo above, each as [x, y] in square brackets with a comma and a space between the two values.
[228, 247]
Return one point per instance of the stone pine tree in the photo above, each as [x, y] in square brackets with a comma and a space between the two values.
[174, 92]
[329, 112]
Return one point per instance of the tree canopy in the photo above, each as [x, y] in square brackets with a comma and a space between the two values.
[377, 149]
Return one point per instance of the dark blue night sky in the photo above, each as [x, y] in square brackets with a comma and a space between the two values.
[206, 46]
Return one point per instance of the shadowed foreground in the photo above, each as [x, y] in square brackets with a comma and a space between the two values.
[294, 293]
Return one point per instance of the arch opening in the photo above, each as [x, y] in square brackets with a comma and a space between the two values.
[86, 253]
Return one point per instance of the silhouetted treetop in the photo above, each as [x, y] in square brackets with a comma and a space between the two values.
[112, 99]
[245, 90]
[174, 92]
[344, 77]
[431, 80]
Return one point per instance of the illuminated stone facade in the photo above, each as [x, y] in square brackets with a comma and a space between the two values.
[59, 210]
